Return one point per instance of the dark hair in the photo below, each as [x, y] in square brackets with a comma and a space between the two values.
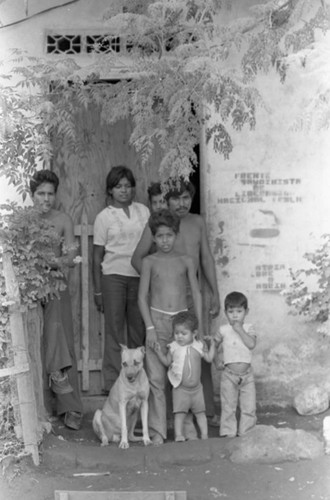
[187, 318]
[42, 176]
[164, 217]
[176, 188]
[236, 299]
[118, 173]
[155, 189]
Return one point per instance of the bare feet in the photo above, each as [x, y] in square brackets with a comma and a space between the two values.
[180, 439]
[157, 440]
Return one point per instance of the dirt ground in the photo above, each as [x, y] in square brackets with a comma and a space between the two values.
[218, 478]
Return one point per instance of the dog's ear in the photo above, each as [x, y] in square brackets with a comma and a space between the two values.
[143, 349]
[123, 347]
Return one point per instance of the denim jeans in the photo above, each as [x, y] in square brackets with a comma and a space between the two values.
[237, 390]
[123, 322]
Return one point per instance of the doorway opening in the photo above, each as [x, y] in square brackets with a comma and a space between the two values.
[195, 179]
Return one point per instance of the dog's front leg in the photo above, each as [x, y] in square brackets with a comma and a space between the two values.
[144, 419]
[123, 422]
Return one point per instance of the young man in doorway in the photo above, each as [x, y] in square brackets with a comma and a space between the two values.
[191, 240]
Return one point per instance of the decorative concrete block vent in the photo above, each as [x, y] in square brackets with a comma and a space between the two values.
[83, 43]
[120, 495]
[311, 400]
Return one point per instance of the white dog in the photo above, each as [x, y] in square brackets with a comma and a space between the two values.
[129, 394]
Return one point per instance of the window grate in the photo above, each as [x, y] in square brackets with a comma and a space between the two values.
[102, 43]
[64, 44]
[82, 44]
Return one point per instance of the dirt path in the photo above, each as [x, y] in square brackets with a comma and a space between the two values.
[215, 478]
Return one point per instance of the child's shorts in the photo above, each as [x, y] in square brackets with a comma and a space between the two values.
[185, 399]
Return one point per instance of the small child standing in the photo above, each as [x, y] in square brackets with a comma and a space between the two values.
[184, 359]
[237, 385]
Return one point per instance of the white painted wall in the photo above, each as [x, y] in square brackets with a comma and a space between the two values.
[30, 34]
[290, 212]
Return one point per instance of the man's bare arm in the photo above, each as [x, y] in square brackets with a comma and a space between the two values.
[69, 250]
[209, 271]
[143, 301]
[143, 295]
[142, 249]
[195, 291]
[209, 353]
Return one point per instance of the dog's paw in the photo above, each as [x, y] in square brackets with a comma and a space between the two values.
[123, 445]
[104, 442]
[116, 438]
[147, 441]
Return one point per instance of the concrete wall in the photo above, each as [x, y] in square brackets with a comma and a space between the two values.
[266, 206]
[31, 33]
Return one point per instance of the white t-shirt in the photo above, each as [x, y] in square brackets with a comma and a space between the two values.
[234, 349]
[119, 235]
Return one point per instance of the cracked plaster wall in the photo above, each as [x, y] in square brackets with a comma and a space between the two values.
[266, 206]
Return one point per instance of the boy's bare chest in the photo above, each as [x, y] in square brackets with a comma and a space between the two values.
[168, 270]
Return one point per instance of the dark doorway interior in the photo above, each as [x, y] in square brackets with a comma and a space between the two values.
[195, 179]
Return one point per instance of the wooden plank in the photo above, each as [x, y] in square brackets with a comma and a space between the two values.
[84, 300]
[120, 495]
[27, 403]
[94, 365]
[62, 495]
[34, 321]
[14, 370]
[77, 230]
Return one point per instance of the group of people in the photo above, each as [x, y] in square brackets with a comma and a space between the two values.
[146, 270]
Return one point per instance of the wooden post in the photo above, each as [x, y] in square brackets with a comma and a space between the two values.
[84, 301]
[27, 403]
[86, 365]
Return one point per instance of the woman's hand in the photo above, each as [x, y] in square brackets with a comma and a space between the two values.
[98, 299]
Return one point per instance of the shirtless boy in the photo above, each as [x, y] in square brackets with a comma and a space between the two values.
[59, 359]
[192, 240]
[162, 294]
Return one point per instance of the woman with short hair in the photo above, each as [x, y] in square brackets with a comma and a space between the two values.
[117, 230]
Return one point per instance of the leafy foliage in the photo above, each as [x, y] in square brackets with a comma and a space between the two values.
[23, 138]
[34, 247]
[309, 291]
[181, 65]
[32, 244]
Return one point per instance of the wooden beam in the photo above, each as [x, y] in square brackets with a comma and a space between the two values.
[94, 365]
[78, 229]
[14, 370]
[26, 398]
[120, 495]
[84, 300]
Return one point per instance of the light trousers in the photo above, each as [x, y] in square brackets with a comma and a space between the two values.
[157, 374]
[237, 391]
